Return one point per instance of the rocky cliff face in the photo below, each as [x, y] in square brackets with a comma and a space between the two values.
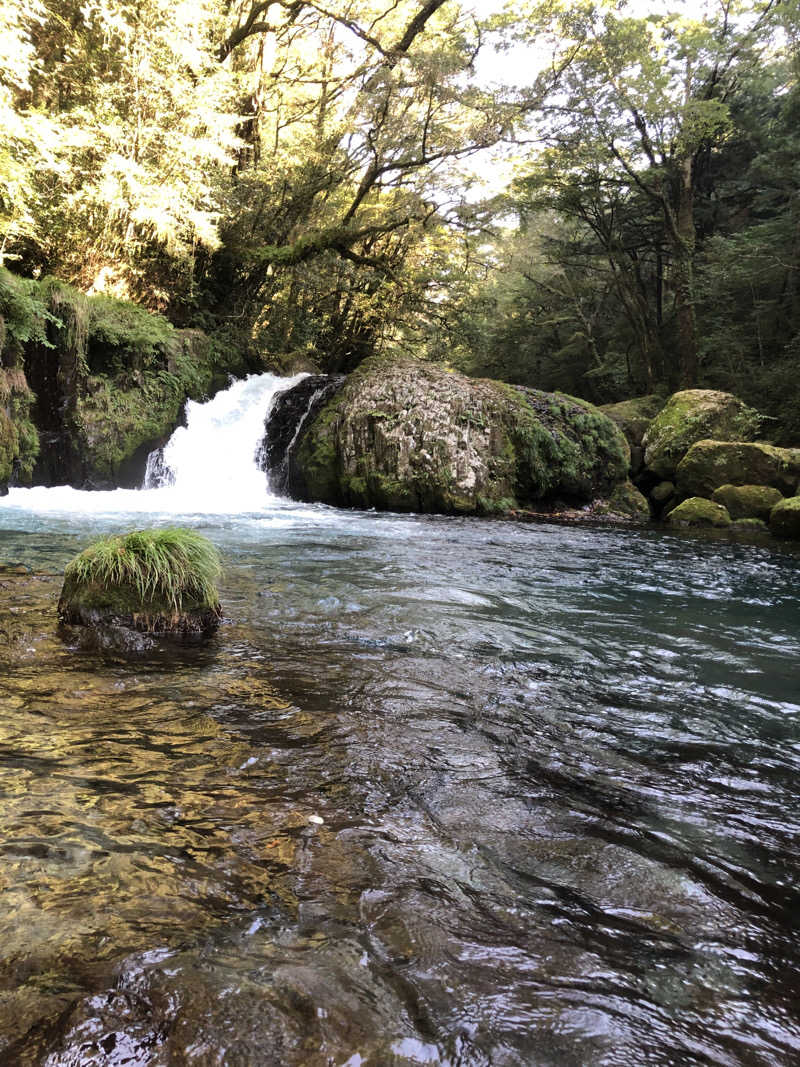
[89, 385]
[411, 436]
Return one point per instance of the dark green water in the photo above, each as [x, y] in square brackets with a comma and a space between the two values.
[558, 773]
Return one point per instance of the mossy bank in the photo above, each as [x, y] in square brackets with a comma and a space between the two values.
[90, 384]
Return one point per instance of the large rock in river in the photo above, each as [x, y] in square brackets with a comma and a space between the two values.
[411, 436]
[694, 415]
[708, 465]
[784, 519]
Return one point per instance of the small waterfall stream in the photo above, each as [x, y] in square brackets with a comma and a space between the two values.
[210, 466]
[211, 463]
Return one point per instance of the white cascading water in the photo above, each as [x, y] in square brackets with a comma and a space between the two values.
[208, 466]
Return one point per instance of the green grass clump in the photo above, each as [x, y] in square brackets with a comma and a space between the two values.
[170, 566]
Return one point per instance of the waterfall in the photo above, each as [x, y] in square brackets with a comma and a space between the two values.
[208, 467]
[211, 463]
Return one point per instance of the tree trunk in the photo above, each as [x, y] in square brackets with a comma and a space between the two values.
[683, 278]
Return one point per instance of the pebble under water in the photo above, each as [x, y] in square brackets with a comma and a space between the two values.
[441, 791]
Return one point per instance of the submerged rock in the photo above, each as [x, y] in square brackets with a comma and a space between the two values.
[694, 415]
[696, 511]
[410, 436]
[784, 519]
[151, 581]
[708, 465]
[747, 501]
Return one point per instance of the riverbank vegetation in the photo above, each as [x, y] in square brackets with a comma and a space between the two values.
[302, 183]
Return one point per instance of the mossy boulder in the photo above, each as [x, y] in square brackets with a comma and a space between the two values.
[626, 501]
[708, 465]
[411, 436]
[784, 519]
[662, 492]
[119, 421]
[696, 511]
[749, 526]
[634, 416]
[694, 415]
[747, 501]
[154, 581]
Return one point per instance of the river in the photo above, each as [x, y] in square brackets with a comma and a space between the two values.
[440, 791]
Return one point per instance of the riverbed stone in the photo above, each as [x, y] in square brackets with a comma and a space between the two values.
[115, 583]
[633, 417]
[747, 501]
[784, 519]
[708, 465]
[694, 415]
[697, 511]
[406, 435]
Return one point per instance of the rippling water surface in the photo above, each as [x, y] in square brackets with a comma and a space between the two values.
[557, 771]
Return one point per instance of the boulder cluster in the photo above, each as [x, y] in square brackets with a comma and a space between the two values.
[404, 435]
[702, 462]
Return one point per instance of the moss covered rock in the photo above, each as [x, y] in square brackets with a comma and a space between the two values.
[662, 492]
[634, 416]
[625, 500]
[696, 511]
[694, 415]
[784, 519]
[747, 501]
[749, 526]
[119, 421]
[153, 581]
[708, 465]
[411, 436]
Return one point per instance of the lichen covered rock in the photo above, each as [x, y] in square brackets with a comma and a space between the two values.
[747, 501]
[410, 436]
[696, 511]
[153, 581]
[784, 519]
[694, 415]
[708, 465]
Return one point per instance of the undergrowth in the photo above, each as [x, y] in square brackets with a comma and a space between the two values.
[169, 566]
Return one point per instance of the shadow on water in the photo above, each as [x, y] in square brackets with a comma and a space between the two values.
[439, 792]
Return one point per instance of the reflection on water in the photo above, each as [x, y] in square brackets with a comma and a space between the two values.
[557, 776]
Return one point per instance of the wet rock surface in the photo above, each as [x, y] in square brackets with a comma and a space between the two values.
[289, 413]
[411, 436]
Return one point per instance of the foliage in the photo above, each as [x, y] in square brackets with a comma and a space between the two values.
[167, 566]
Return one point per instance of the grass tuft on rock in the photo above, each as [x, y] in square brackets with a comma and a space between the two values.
[174, 567]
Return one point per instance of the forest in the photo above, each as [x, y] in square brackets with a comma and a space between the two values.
[311, 184]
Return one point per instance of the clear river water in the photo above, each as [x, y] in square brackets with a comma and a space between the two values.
[440, 791]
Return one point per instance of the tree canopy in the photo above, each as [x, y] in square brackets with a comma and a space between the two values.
[300, 179]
